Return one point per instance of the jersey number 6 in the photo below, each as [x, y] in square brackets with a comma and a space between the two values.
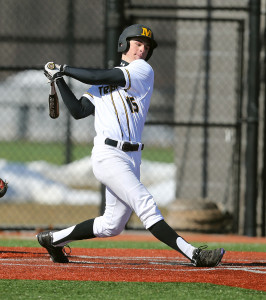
[132, 104]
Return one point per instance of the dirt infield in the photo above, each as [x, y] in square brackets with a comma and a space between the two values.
[239, 269]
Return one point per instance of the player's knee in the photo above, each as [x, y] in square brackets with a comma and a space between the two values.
[102, 228]
[113, 231]
[151, 216]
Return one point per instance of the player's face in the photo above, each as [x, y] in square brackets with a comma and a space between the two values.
[139, 49]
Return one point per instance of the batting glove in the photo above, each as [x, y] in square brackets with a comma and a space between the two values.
[53, 71]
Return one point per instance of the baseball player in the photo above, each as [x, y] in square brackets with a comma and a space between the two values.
[119, 99]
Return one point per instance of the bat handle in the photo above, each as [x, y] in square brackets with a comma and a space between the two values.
[53, 102]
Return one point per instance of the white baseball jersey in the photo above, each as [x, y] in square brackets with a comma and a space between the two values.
[124, 108]
[120, 114]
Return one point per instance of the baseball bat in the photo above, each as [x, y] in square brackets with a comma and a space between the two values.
[53, 102]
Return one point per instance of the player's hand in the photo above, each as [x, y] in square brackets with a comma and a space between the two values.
[53, 71]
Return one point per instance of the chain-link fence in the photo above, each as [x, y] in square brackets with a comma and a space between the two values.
[193, 151]
[197, 90]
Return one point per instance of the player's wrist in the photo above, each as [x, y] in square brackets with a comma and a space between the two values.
[63, 68]
[66, 70]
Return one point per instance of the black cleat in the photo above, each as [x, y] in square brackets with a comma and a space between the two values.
[56, 253]
[207, 258]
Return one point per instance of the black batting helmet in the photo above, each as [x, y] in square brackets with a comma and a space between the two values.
[134, 31]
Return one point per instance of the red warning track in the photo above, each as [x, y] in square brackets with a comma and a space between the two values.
[239, 269]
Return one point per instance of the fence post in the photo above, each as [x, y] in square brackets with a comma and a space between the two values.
[70, 49]
[250, 223]
[263, 206]
[114, 22]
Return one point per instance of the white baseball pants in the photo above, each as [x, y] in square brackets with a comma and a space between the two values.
[120, 173]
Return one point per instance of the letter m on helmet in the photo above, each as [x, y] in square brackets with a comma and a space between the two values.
[146, 32]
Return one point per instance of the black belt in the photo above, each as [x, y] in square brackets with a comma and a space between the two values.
[126, 146]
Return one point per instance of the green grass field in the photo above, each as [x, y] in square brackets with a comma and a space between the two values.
[134, 245]
[74, 290]
[25, 151]
[35, 289]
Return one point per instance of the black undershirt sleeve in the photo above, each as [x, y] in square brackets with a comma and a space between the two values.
[79, 109]
[96, 77]
[83, 107]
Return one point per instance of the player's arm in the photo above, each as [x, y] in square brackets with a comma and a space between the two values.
[78, 108]
[96, 77]
[89, 76]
